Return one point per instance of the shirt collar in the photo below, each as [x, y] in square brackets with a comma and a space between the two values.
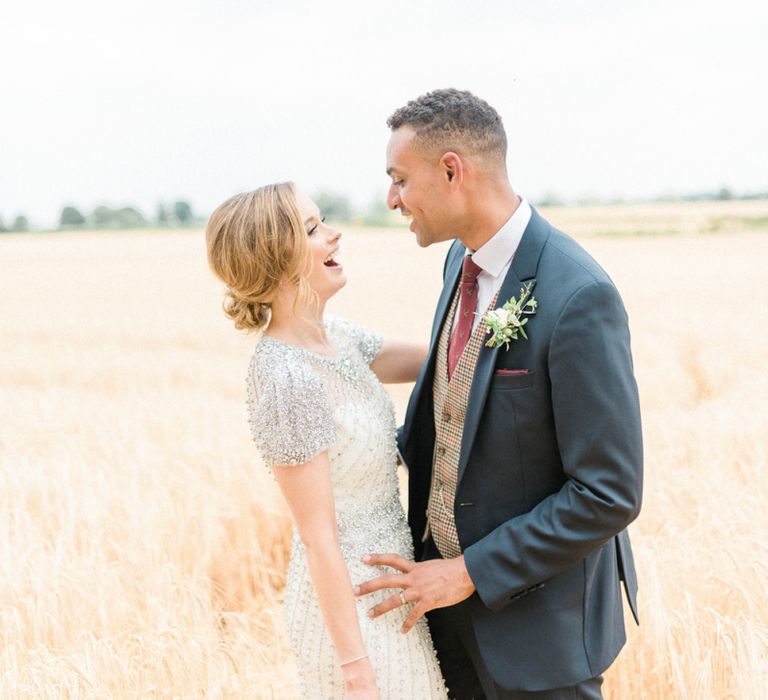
[496, 253]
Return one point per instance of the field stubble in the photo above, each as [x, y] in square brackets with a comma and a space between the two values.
[143, 547]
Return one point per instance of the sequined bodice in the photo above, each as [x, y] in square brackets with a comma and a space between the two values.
[301, 403]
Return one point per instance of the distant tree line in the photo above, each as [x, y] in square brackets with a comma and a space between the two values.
[336, 207]
[19, 224]
[552, 199]
[104, 217]
[179, 213]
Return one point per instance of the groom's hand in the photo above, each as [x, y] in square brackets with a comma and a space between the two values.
[424, 586]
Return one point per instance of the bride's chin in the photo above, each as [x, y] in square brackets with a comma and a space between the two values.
[339, 283]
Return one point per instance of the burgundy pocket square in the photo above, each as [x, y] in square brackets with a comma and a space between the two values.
[511, 372]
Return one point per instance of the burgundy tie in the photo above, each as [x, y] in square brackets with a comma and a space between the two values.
[462, 325]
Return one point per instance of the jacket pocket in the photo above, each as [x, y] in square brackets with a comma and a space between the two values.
[519, 380]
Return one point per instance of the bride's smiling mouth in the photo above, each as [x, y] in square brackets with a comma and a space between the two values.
[331, 261]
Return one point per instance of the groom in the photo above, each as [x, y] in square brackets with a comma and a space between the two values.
[525, 461]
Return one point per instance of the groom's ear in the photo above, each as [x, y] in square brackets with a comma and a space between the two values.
[452, 167]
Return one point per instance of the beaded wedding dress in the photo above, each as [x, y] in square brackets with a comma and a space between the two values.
[301, 404]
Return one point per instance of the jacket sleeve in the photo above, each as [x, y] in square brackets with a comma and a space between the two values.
[597, 422]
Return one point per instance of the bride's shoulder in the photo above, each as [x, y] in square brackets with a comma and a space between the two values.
[289, 414]
[279, 367]
[366, 341]
[336, 324]
[340, 330]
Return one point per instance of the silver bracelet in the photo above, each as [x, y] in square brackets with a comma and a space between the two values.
[351, 661]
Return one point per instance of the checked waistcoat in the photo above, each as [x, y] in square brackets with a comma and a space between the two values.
[450, 401]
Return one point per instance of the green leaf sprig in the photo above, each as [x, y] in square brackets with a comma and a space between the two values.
[505, 324]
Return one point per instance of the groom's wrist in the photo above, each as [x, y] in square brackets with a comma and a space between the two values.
[465, 581]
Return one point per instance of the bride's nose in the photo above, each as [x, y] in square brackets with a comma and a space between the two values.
[335, 235]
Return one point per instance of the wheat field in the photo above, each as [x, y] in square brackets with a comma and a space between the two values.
[143, 546]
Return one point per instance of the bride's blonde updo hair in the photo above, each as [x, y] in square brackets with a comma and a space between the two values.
[254, 241]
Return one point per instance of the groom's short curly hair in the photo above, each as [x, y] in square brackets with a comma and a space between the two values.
[454, 120]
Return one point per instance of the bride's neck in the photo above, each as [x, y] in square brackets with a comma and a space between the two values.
[299, 324]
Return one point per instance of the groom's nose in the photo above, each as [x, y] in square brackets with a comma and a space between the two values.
[393, 198]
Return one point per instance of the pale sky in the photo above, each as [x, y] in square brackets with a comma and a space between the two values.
[133, 102]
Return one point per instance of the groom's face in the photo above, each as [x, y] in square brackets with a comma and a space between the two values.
[419, 188]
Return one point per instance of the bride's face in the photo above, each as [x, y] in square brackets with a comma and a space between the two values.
[325, 274]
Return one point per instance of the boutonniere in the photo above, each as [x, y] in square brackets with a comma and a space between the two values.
[505, 324]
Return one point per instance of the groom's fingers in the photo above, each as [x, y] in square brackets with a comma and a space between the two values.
[413, 617]
[418, 608]
[385, 606]
[376, 584]
[393, 560]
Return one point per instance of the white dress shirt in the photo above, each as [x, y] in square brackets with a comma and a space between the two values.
[495, 257]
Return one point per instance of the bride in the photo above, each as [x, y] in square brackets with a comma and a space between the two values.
[322, 421]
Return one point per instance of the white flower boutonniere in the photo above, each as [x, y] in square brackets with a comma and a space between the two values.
[505, 324]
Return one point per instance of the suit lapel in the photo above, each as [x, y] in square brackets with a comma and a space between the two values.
[522, 270]
[452, 274]
[422, 391]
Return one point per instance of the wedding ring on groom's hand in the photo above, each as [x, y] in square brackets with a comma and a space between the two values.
[402, 597]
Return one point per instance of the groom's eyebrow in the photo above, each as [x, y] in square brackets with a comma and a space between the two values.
[391, 169]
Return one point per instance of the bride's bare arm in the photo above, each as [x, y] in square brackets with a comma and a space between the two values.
[308, 491]
[399, 361]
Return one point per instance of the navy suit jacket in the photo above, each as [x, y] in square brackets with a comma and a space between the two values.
[550, 470]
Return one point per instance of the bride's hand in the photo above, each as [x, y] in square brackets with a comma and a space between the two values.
[360, 681]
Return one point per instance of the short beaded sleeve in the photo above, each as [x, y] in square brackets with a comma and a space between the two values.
[366, 341]
[288, 411]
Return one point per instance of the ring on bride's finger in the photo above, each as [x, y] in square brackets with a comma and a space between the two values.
[402, 597]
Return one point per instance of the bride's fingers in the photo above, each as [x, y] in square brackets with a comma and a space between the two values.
[393, 560]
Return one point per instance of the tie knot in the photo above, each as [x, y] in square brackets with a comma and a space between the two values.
[469, 270]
